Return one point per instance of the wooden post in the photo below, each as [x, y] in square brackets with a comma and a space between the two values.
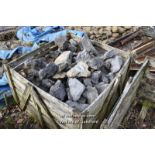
[38, 99]
[9, 76]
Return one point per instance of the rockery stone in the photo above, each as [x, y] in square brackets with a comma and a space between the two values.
[58, 90]
[47, 72]
[91, 94]
[76, 88]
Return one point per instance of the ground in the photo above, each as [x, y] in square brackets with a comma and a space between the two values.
[11, 117]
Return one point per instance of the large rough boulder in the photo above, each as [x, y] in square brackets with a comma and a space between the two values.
[115, 63]
[79, 70]
[58, 91]
[76, 105]
[76, 88]
[48, 71]
[90, 94]
[63, 60]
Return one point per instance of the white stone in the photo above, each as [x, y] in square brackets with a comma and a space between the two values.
[63, 60]
[79, 70]
[76, 88]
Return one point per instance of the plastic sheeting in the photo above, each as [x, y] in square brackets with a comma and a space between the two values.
[46, 34]
[36, 35]
[3, 80]
[7, 54]
[4, 87]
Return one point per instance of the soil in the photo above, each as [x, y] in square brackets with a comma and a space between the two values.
[132, 120]
[145, 97]
[11, 117]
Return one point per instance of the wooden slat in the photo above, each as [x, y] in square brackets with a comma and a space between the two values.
[94, 109]
[126, 99]
[47, 96]
[11, 82]
[42, 50]
[41, 103]
[26, 97]
[58, 115]
[141, 49]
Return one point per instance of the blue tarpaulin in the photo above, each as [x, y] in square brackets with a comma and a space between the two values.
[7, 54]
[35, 35]
[46, 34]
[3, 80]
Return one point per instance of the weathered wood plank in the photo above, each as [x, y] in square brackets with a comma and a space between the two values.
[125, 54]
[11, 82]
[126, 99]
[99, 104]
[22, 82]
[42, 50]
[58, 115]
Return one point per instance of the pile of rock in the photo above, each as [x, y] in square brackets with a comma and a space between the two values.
[105, 33]
[76, 73]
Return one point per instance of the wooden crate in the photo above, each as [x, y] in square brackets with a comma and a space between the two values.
[53, 113]
[128, 95]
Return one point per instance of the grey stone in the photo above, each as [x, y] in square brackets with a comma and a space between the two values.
[76, 88]
[90, 94]
[104, 70]
[104, 78]
[68, 94]
[35, 73]
[83, 56]
[72, 48]
[53, 54]
[36, 81]
[95, 77]
[58, 90]
[62, 42]
[35, 64]
[87, 82]
[21, 72]
[110, 54]
[111, 76]
[79, 70]
[88, 29]
[28, 64]
[108, 64]
[49, 71]
[63, 60]
[95, 63]
[76, 105]
[101, 31]
[38, 64]
[73, 42]
[59, 75]
[116, 64]
[82, 100]
[47, 83]
[4, 46]
[74, 58]
[87, 45]
[92, 37]
[101, 87]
